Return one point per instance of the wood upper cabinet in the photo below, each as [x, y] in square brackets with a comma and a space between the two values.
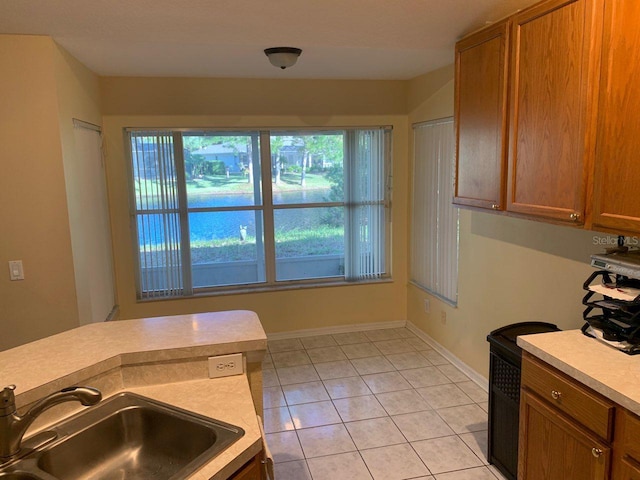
[616, 204]
[481, 118]
[554, 60]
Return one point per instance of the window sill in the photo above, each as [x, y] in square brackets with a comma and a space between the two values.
[440, 297]
[245, 289]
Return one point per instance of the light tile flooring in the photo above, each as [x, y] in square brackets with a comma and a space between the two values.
[378, 404]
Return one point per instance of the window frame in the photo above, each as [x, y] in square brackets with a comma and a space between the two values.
[267, 208]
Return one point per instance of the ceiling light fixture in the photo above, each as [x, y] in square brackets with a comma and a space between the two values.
[283, 57]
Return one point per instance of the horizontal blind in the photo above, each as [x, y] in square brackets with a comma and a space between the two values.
[434, 233]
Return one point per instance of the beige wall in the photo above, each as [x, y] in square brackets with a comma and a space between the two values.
[44, 89]
[33, 204]
[318, 100]
[259, 103]
[510, 270]
[79, 98]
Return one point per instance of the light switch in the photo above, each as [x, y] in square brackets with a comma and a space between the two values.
[16, 272]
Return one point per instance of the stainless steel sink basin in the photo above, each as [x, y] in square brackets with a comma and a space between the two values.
[127, 437]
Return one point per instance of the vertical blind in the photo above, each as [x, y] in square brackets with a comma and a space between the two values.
[366, 182]
[156, 215]
[434, 232]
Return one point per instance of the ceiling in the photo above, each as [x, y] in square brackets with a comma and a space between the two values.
[342, 39]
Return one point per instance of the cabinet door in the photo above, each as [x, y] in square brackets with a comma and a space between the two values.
[626, 469]
[551, 447]
[481, 118]
[553, 64]
[626, 465]
[250, 471]
[617, 168]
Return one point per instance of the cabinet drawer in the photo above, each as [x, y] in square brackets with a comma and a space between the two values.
[628, 434]
[583, 405]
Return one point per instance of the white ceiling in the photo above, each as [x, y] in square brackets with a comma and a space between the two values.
[358, 39]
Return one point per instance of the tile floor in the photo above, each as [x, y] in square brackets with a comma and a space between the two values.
[378, 404]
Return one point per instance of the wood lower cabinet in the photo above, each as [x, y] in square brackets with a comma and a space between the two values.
[554, 53]
[617, 170]
[626, 469]
[626, 464]
[553, 447]
[251, 470]
[565, 428]
[481, 118]
[569, 432]
[589, 409]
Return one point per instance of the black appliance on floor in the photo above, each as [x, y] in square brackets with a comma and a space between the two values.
[505, 365]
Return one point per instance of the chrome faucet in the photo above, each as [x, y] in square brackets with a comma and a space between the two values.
[14, 426]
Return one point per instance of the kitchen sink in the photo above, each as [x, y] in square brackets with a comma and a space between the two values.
[128, 437]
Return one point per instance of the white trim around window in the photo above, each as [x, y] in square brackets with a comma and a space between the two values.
[216, 211]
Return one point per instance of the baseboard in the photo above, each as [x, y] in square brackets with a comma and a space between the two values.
[357, 327]
[113, 314]
[466, 369]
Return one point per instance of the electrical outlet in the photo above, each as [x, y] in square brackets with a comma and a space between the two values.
[427, 305]
[443, 317]
[225, 365]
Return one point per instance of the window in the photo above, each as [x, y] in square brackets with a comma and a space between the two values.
[223, 210]
[434, 235]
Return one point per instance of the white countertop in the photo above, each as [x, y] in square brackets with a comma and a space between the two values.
[101, 346]
[606, 370]
[98, 350]
[227, 399]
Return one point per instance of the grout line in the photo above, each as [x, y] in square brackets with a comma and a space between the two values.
[463, 367]
[374, 395]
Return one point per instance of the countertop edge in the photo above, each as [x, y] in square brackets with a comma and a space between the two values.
[95, 348]
[614, 375]
[235, 396]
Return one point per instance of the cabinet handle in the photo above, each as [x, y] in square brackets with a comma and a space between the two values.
[556, 394]
[495, 206]
[596, 452]
[575, 217]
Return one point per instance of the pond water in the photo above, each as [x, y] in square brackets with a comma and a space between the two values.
[207, 226]
[246, 200]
